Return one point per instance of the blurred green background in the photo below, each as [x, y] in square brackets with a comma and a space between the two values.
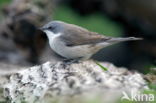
[2, 4]
[95, 22]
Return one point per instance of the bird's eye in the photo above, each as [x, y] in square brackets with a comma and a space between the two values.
[50, 27]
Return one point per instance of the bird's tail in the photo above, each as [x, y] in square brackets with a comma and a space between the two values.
[116, 40]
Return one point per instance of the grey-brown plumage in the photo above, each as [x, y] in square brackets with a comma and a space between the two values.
[71, 41]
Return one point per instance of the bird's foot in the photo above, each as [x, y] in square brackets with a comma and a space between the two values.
[70, 61]
[67, 62]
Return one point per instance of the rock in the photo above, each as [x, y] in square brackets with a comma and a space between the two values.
[6, 70]
[72, 83]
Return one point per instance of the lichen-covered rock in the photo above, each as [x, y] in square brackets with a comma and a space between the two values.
[74, 83]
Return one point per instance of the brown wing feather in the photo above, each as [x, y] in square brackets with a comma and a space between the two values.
[75, 35]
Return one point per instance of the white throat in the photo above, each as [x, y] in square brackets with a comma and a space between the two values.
[50, 34]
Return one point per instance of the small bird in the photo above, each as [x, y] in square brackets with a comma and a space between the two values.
[73, 42]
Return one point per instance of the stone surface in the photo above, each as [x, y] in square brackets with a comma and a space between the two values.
[74, 83]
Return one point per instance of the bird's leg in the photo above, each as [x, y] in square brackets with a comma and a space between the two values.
[67, 62]
[71, 61]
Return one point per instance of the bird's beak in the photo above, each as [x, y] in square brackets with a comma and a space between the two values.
[42, 28]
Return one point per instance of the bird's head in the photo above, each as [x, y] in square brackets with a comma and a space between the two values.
[53, 28]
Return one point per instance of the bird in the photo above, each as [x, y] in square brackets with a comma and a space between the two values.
[73, 42]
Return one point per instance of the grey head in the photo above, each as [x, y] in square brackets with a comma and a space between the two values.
[53, 26]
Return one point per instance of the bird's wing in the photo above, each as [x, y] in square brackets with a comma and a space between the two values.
[75, 35]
